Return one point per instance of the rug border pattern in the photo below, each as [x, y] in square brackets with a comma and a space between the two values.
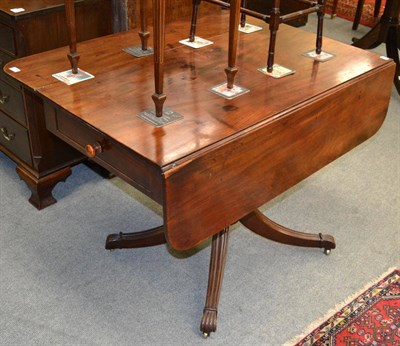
[345, 311]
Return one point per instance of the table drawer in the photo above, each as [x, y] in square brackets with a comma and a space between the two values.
[15, 138]
[11, 102]
[118, 159]
[7, 42]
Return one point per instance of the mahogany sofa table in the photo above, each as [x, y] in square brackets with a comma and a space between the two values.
[225, 158]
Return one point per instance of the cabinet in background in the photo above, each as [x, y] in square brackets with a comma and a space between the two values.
[28, 27]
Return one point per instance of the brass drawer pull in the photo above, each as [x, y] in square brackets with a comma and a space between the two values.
[4, 99]
[6, 135]
[93, 149]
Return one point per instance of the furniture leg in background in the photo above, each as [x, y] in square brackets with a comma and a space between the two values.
[73, 55]
[274, 18]
[386, 31]
[360, 6]
[334, 8]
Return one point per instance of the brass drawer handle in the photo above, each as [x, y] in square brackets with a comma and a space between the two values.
[4, 99]
[6, 135]
[93, 149]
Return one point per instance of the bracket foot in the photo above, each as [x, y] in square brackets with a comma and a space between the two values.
[41, 188]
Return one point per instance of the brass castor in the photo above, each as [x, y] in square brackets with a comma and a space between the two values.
[206, 335]
[327, 252]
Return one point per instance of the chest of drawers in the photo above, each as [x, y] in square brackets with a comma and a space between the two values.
[28, 27]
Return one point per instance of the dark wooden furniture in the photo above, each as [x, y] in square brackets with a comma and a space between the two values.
[357, 16]
[360, 5]
[386, 31]
[286, 7]
[43, 160]
[225, 158]
[272, 16]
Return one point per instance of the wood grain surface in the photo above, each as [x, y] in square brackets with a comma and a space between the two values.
[226, 157]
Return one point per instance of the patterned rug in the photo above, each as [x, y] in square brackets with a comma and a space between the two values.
[347, 9]
[371, 319]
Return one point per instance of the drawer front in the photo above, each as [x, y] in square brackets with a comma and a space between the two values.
[7, 42]
[140, 173]
[15, 138]
[11, 102]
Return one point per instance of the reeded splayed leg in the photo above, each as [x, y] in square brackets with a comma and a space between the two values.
[234, 15]
[260, 224]
[217, 265]
[273, 28]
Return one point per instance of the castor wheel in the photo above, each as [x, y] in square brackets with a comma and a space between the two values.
[206, 335]
[327, 252]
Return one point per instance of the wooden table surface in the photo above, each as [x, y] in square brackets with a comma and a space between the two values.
[123, 86]
[226, 157]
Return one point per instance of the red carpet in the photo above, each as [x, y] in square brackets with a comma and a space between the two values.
[371, 319]
[347, 9]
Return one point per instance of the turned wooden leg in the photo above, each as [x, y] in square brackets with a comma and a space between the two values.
[73, 54]
[243, 15]
[144, 34]
[260, 224]
[320, 25]
[151, 237]
[273, 29]
[195, 10]
[159, 44]
[42, 188]
[334, 8]
[357, 17]
[234, 17]
[217, 265]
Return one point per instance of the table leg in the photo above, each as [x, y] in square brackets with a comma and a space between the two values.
[234, 17]
[243, 15]
[386, 31]
[392, 50]
[151, 237]
[320, 14]
[357, 17]
[217, 265]
[372, 39]
[273, 29]
[144, 34]
[193, 25]
[260, 224]
[334, 8]
[73, 54]
[159, 45]
[41, 188]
